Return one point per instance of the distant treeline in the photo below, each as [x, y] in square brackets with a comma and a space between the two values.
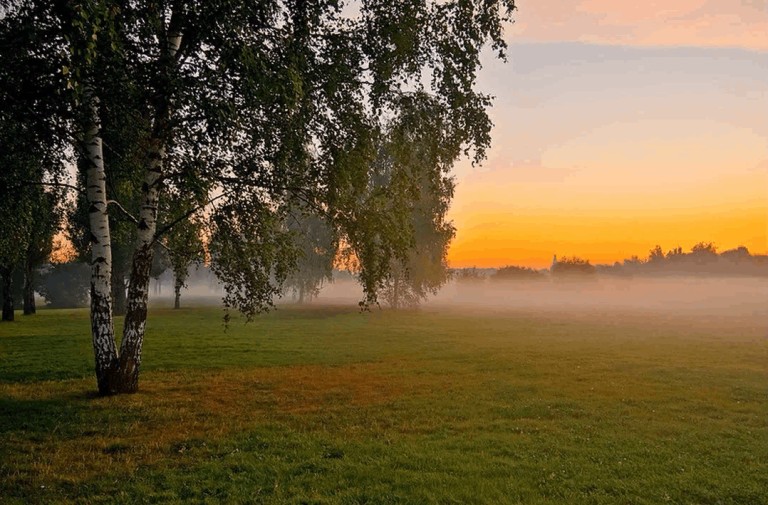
[702, 260]
[68, 284]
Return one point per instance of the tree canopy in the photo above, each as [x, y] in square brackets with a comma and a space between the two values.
[237, 110]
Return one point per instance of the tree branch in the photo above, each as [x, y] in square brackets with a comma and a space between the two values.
[52, 184]
[165, 229]
[122, 209]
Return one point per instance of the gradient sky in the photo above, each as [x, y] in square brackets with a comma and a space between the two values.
[619, 127]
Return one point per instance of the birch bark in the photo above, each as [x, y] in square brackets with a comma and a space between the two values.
[138, 287]
[102, 327]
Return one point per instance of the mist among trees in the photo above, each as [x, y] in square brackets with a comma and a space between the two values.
[232, 116]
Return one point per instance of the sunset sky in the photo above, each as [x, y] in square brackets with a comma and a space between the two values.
[619, 127]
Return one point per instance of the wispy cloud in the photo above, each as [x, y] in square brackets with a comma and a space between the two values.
[704, 23]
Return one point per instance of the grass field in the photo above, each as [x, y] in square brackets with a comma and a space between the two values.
[328, 405]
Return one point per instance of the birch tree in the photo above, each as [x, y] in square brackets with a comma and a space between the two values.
[252, 107]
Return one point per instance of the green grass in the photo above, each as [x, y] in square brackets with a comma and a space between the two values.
[327, 405]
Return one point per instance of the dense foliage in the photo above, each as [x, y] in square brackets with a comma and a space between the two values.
[237, 111]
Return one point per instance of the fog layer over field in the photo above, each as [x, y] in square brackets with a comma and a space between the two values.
[740, 297]
[704, 297]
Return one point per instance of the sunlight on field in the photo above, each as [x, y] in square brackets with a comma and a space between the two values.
[328, 405]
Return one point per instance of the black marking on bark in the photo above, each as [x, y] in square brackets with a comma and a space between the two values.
[143, 225]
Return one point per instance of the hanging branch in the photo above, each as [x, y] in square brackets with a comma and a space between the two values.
[122, 209]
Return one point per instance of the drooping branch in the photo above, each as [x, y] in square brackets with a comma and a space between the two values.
[122, 209]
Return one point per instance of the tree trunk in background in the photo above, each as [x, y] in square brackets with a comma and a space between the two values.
[177, 292]
[102, 328]
[29, 289]
[118, 292]
[7, 294]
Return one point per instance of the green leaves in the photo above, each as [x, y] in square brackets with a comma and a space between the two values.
[251, 253]
[355, 113]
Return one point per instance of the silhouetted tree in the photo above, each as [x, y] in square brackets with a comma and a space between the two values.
[675, 253]
[573, 266]
[656, 255]
[739, 255]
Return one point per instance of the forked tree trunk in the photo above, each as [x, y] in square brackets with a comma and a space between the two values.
[102, 328]
[29, 289]
[7, 294]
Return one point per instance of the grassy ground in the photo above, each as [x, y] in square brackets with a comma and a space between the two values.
[327, 405]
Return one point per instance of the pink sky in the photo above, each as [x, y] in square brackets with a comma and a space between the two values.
[700, 23]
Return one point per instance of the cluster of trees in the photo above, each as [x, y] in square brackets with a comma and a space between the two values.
[572, 267]
[207, 128]
[517, 273]
[561, 268]
[702, 259]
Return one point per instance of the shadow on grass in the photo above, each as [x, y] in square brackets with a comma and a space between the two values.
[65, 415]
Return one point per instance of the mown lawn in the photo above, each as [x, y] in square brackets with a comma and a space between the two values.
[328, 405]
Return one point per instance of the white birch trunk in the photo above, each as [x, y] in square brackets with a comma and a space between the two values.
[102, 328]
[138, 288]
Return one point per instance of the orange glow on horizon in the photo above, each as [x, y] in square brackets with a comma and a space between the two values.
[533, 240]
[526, 224]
